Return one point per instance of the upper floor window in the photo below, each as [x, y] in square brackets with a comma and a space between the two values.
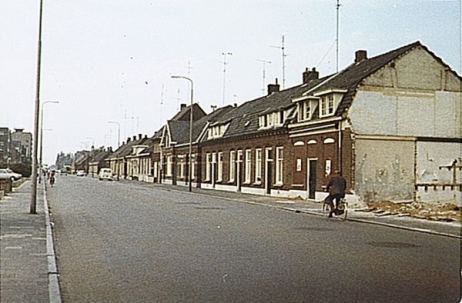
[272, 119]
[327, 105]
[217, 131]
[306, 109]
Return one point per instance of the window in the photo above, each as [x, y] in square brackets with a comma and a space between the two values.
[181, 168]
[279, 164]
[271, 119]
[217, 131]
[220, 166]
[168, 173]
[327, 105]
[208, 158]
[232, 165]
[193, 166]
[258, 159]
[248, 166]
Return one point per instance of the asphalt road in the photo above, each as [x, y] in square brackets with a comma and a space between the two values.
[135, 243]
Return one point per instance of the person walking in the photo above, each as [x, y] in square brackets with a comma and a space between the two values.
[336, 188]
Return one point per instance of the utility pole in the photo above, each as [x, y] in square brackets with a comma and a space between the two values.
[282, 48]
[33, 200]
[224, 73]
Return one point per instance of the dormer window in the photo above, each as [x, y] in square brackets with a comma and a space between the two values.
[217, 131]
[327, 105]
[272, 119]
[306, 109]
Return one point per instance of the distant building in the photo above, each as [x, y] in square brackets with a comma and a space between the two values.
[21, 144]
[4, 146]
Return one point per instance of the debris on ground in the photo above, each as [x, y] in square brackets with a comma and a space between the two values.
[447, 212]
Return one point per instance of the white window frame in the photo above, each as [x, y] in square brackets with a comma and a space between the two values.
[220, 167]
[248, 166]
[168, 173]
[258, 165]
[279, 165]
[207, 166]
[181, 167]
[232, 165]
[193, 166]
[327, 105]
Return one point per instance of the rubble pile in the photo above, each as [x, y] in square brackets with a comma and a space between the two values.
[446, 212]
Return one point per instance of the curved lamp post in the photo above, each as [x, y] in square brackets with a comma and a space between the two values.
[190, 128]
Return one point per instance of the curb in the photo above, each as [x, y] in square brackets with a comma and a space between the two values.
[53, 284]
[415, 229]
[422, 230]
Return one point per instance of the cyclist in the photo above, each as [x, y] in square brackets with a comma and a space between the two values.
[336, 188]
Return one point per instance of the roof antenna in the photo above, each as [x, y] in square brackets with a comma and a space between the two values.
[336, 39]
[224, 54]
[282, 47]
[264, 73]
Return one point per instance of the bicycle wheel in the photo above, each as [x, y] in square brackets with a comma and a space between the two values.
[342, 210]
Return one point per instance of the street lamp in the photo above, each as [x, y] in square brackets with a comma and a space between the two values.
[190, 128]
[33, 198]
[118, 132]
[92, 154]
[41, 138]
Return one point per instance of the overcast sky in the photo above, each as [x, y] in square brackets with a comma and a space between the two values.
[112, 60]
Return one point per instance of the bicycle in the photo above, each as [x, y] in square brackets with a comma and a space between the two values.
[341, 212]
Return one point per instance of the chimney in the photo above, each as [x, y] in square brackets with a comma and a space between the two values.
[309, 75]
[360, 55]
[129, 139]
[273, 88]
[140, 136]
[182, 106]
[134, 138]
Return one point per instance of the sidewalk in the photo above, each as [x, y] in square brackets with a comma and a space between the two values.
[27, 263]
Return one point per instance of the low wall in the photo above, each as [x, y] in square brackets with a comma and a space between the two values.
[6, 185]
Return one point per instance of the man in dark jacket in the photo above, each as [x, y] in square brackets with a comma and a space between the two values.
[336, 188]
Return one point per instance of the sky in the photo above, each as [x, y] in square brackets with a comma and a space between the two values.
[113, 60]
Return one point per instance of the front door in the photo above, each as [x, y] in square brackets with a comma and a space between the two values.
[312, 163]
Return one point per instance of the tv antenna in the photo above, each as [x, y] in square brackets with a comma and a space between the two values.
[284, 55]
[224, 73]
[337, 34]
[264, 73]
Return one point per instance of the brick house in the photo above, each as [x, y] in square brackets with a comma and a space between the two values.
[121, 162]
[174, 144]
[388, 123]
[391, 124]
[98, 160]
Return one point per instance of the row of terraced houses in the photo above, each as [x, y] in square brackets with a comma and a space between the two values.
[390, 123]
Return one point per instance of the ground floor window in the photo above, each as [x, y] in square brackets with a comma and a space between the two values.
[220, 167]
[248, 165]
[279, 164]
[258, 166]
[232, 165]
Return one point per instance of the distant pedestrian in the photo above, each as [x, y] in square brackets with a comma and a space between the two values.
[336, 188]
[52, 178]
